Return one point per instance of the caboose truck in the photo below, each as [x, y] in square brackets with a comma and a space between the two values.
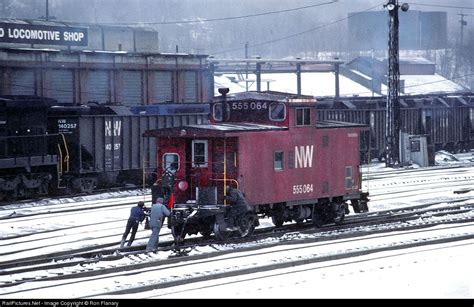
[282, 162]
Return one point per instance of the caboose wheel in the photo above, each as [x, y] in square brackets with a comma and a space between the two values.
[338, 213]
[277, 220]
[319, 218]
[206, 232]
[339, 217]
[246, 226]
[220, 232]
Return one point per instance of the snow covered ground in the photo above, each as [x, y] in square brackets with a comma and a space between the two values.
[439, 271]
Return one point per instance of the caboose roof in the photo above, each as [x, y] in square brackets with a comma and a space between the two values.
[210, 130]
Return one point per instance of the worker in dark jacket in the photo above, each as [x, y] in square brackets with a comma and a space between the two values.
[157, 214]
[137, 215]
[235, 197]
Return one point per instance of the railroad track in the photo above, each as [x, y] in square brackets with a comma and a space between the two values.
[365, 219]
[118, 263]
[96, 259]
[155, 273]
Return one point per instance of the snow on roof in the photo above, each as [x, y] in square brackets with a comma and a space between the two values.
[223, 81]
[312, 84]
[361, 74]
[427, 84]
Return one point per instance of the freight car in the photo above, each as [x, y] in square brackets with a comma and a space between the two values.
[447, 120]
[105, 146]
[46, 146]
[27, 162]
[265, 156]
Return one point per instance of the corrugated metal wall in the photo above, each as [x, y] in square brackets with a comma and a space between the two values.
[190, 87]
[81, 77]
[62, 85]
[163, 86]
[132, 87]
[22, 82]
[98, 86]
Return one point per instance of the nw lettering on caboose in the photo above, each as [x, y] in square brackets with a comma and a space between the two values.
[304, 156]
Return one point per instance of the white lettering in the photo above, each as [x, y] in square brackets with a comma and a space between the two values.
[108, 128]
[117, 128]
[303, 188]
[34, 34]
[249, 106]
[304, 156]
[73, 36]
[2, 32]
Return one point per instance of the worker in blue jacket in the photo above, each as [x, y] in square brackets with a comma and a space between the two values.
[137, 215]
[157, 214]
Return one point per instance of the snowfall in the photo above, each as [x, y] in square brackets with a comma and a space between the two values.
[430, 271]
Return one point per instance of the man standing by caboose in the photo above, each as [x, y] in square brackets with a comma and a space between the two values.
[157, 214]
[137, 215]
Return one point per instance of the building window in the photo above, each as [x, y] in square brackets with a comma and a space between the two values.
[171, 162]
[277, 111]
[302, 116]
[278, 160]
[199, 153]
[348, 177]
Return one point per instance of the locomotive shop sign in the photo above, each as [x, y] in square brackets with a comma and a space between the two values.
[39, 34]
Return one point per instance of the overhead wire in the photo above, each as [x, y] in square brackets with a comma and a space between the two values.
[443, 6]
[296, 34]
[421, 84]
[224, 18]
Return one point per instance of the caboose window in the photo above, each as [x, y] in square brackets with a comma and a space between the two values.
[302, 116]
[171, 162]
[277, 111]
[278, 160]
[199, 153]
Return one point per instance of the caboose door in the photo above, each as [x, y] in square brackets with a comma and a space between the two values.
[230, 171]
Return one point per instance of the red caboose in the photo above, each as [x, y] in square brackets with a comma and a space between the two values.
[263, 154]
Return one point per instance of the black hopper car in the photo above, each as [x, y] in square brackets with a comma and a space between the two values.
[28, 162]
[47, 147]
[446, 120]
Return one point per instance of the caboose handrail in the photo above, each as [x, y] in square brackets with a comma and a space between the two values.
[233, 180]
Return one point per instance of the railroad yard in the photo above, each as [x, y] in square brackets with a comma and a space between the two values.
[235, 149]
[420, 226]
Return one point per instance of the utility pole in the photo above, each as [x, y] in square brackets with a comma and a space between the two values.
[246, 67]
[47, 10]
[463, 24]
[459, 48]
[47, 17]
[392, 124]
